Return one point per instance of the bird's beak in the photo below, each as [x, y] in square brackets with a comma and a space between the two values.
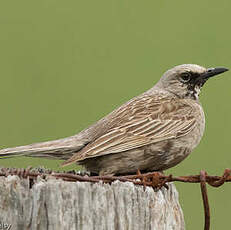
[211, 72]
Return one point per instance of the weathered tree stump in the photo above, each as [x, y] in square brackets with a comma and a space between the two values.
[55, 204]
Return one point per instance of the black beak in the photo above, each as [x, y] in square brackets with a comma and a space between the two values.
[213, 72]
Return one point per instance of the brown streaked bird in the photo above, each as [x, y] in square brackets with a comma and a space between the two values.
[151, 132]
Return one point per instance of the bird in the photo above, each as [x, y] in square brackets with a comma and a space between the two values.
[151, 132]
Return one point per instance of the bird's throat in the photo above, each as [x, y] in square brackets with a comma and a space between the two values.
[193, 92]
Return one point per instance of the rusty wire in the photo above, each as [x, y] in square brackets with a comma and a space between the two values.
[205, 199]
[152, 179]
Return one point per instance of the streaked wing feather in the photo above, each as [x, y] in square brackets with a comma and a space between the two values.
[138, 132]
[131, 141]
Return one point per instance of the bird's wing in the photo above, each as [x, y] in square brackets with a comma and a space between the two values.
[139, 123]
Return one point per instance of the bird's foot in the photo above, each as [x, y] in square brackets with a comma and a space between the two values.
[143, 178]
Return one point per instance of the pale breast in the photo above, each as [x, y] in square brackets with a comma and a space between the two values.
[193, 138]
[199, 130]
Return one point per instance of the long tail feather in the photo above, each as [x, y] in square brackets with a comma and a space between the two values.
[61, 149]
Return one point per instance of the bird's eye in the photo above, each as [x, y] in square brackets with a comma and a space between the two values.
[185, 77]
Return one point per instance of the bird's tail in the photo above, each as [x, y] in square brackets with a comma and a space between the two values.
[61, 149]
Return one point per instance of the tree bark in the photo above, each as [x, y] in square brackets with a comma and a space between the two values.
[53, 204]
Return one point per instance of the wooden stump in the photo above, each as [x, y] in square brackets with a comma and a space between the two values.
[55, 204]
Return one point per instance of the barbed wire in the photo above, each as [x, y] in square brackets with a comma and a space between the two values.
[155, 180]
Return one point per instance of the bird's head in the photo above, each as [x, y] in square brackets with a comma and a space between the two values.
[185, 81]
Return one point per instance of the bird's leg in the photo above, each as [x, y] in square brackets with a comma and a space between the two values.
[142, 178]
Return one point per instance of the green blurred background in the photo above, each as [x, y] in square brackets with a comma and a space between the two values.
[65, 64]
